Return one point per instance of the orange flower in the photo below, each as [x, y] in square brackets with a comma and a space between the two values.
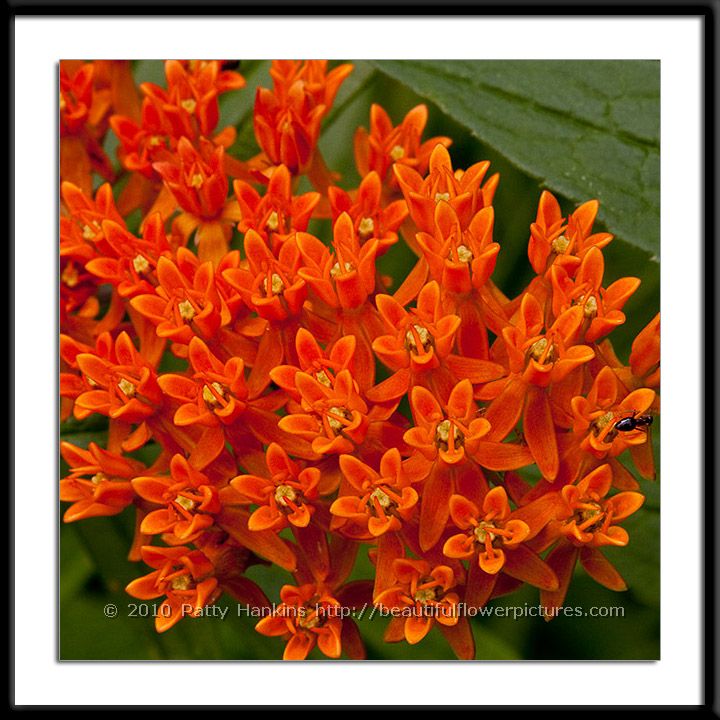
[308, 616]
[188, 108]
[487, 530]
[385, 498]
[278, 213]
[451, 442]
[341, 282]
[190, 102]
[311, 77]
[75, 383]
[590, 515]
[76, 96]
[345, 277]
[453, 434]
[199, 184]
[312, 360]
[335, 418]
[551, 239]
[285, 497]
[99, 482]
[495, 540]
[271, 285]
[183, 576]
[596, 416]
[601, 307]
[587, 524]
[461, 190]
[82, 114]
[287, 119]
[386, 144]
[536, 359]
[421, 597]
[460, 259]
[216, 392]
[420, 350]
[125, 388]
[131, 269]
[186, 300]
[81, 233]
[645, 354]
[189, 501]
[371, 220]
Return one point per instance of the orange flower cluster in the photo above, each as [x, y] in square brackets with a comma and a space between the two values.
[267, 371]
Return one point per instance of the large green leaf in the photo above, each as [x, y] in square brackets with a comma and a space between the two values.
[585, 129]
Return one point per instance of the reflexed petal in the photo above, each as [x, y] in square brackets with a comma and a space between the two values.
[561, 561]
[539, 431]
[601, 570]
[504, 411]
[523, 564]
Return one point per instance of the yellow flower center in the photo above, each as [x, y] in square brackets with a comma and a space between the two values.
[590, 308]
[155, 140]
[182, 582]
[88, 233]
[97, 478]
[127, 388]
[140, 264]
[464, 253]
[185, 502]
[442, 435]
[187, 311]
[70, 276]
[366, 228]
[442, 196]
[276, 284]
[283, 493]
[196, 181]
[397, 153]
[560, 244]
[382, 497]
[543, 352]
[337, 270]
[210, 397]
[273, 222]
[189, 105]
[335, 424]
[323, 379]
[482, 531]
[591, 513]
[426, 595]
[415, 333]
[600, 423]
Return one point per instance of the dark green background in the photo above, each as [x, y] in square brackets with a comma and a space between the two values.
[581, 129]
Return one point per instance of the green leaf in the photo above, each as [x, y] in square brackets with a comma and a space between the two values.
[584, 129]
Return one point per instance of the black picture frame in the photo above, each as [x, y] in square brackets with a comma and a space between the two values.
[708, 11]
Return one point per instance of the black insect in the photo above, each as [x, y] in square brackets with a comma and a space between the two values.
[633, 422]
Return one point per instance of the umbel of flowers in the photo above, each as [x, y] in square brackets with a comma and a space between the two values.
[281, 439]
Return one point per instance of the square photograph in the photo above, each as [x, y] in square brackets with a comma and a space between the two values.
[359, 360]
